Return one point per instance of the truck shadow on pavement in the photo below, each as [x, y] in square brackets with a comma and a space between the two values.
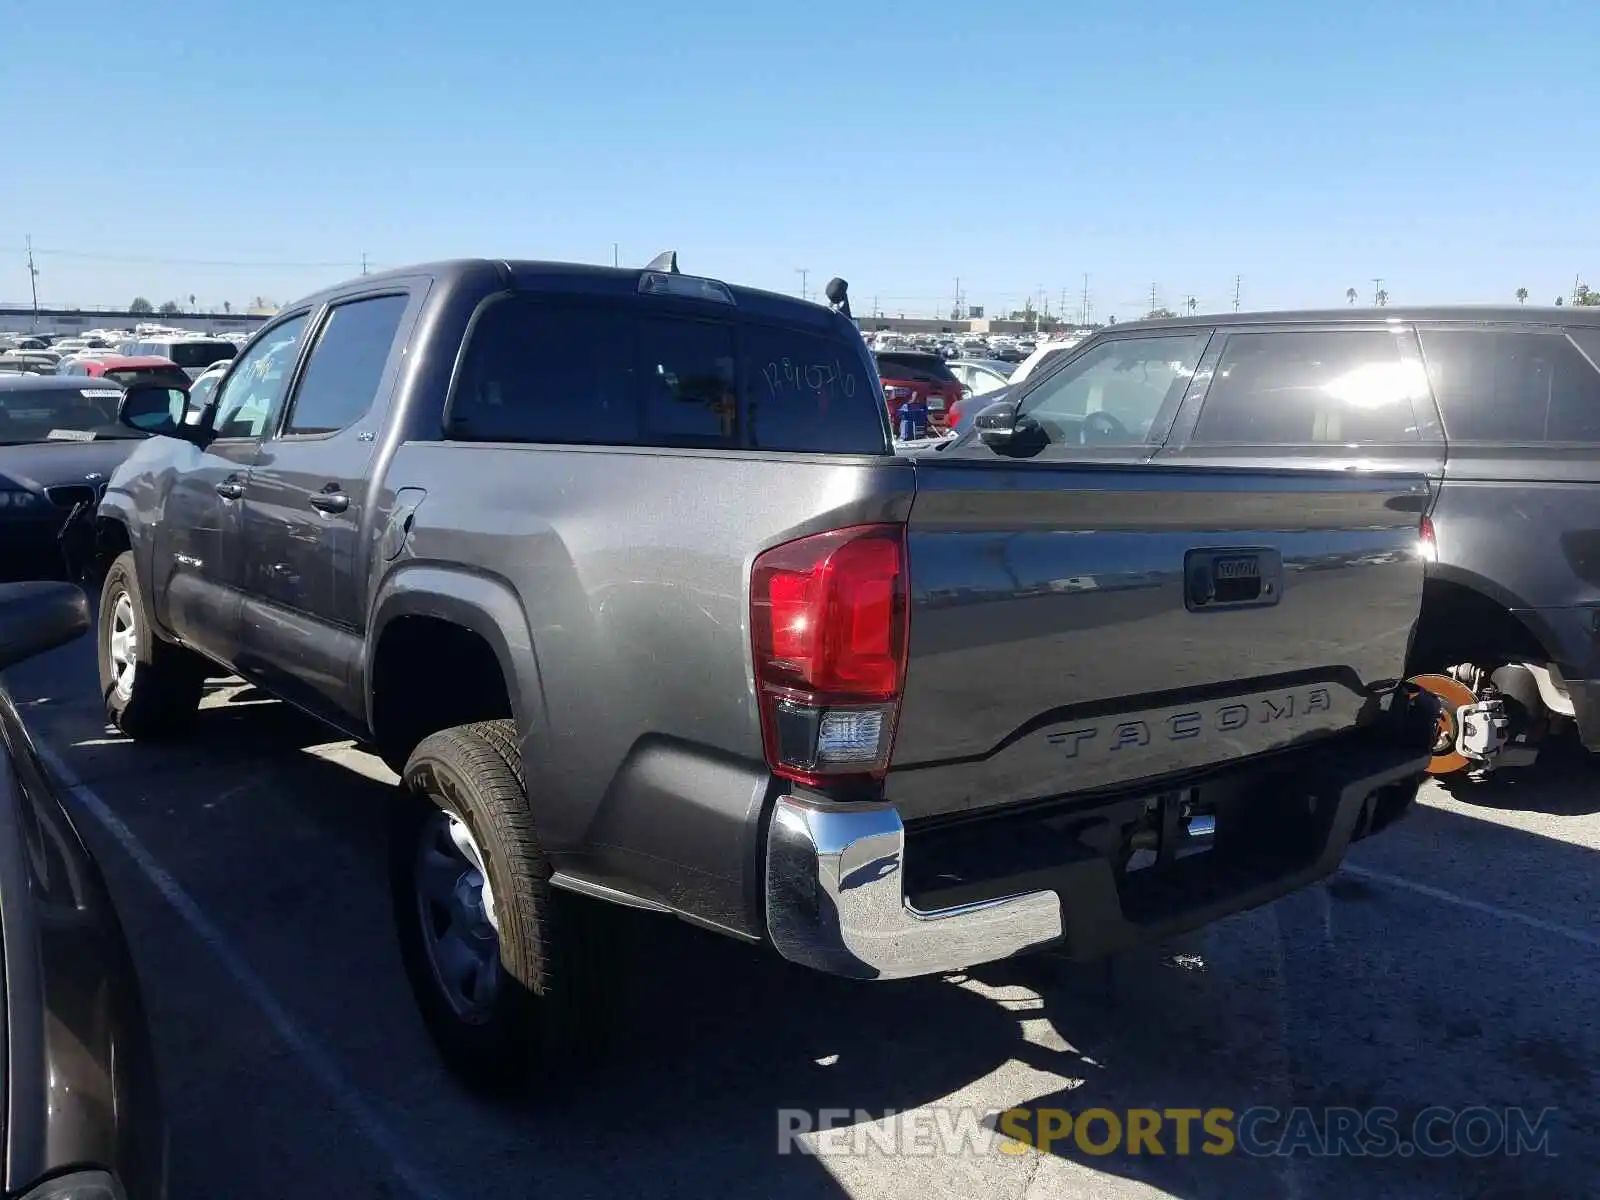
[1563, 781]
[1341, 995]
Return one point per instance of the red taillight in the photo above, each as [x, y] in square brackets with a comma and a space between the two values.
[828, 620]
[1426, 542]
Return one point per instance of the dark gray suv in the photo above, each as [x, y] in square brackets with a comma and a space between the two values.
[1498, 407]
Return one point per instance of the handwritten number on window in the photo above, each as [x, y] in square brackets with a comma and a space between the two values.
[786, 375]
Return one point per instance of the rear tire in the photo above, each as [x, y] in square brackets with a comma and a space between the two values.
[509, 979]
[151, 687]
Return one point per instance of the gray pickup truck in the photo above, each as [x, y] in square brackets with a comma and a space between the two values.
[619, 571]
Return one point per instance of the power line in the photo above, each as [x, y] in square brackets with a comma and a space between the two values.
[803, 272]
[131, 260]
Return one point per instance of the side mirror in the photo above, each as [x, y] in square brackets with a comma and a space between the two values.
[35, 617]
[997, 424]
[154, 408]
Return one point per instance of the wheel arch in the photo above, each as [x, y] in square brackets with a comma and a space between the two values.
[1453, 598]
[470, 624]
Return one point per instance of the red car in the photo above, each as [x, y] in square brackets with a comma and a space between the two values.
[123, 370]
[907, 374]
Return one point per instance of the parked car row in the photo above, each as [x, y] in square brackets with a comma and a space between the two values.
[46, 353]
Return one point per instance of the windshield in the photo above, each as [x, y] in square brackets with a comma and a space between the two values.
[84, 414]
[195, 355]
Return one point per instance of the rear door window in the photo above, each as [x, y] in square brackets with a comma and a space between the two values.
[1311, 387]
[1507, 385]
[346, 365]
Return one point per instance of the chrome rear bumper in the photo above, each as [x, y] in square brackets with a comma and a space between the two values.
[835, 900]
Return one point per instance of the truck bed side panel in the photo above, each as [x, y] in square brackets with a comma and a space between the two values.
[633, 567]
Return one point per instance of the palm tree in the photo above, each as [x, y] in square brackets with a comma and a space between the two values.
[1383, 297]
[1350, 295]
[1522, 295]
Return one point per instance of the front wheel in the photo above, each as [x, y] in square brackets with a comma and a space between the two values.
[506, 971]
[152, 688]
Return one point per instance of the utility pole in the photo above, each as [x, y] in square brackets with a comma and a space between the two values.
[1190, 303]
[1377, 286]
[33, 282]
[802, 272]
[1152, 297]
[1236, 293]
[615, 262]
[875, 309]
[1086, 297]
[958, 297]
[363, 262]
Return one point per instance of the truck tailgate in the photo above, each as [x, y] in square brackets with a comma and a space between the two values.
[1082, 627]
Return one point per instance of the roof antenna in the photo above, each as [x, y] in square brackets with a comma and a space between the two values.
[666, 261]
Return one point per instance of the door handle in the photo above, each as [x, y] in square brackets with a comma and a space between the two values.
[330, 502]
[230, 489]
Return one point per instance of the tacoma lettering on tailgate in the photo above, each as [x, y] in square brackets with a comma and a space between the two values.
[1198, 722]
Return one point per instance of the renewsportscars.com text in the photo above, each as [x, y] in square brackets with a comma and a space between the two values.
[1260, 1131]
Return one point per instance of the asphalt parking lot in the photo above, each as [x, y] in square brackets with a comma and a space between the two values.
[1455, 962]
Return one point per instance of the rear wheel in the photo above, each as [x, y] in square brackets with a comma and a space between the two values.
[151, 687]
[507, 972]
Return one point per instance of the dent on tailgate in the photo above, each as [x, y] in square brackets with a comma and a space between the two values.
[1062, 637]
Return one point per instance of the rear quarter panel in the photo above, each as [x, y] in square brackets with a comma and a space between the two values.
[632, 567]
[1521, 525]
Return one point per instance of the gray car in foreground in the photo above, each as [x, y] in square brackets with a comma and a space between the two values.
[82, 1110]
[665, 623]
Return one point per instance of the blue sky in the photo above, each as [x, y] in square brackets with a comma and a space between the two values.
[237, 150]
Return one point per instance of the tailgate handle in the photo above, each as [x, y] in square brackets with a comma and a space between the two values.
[1232, 577]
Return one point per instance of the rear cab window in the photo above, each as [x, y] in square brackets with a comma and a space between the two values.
[567, 371]
[167, 376]
[197, 355]
[914, 368]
